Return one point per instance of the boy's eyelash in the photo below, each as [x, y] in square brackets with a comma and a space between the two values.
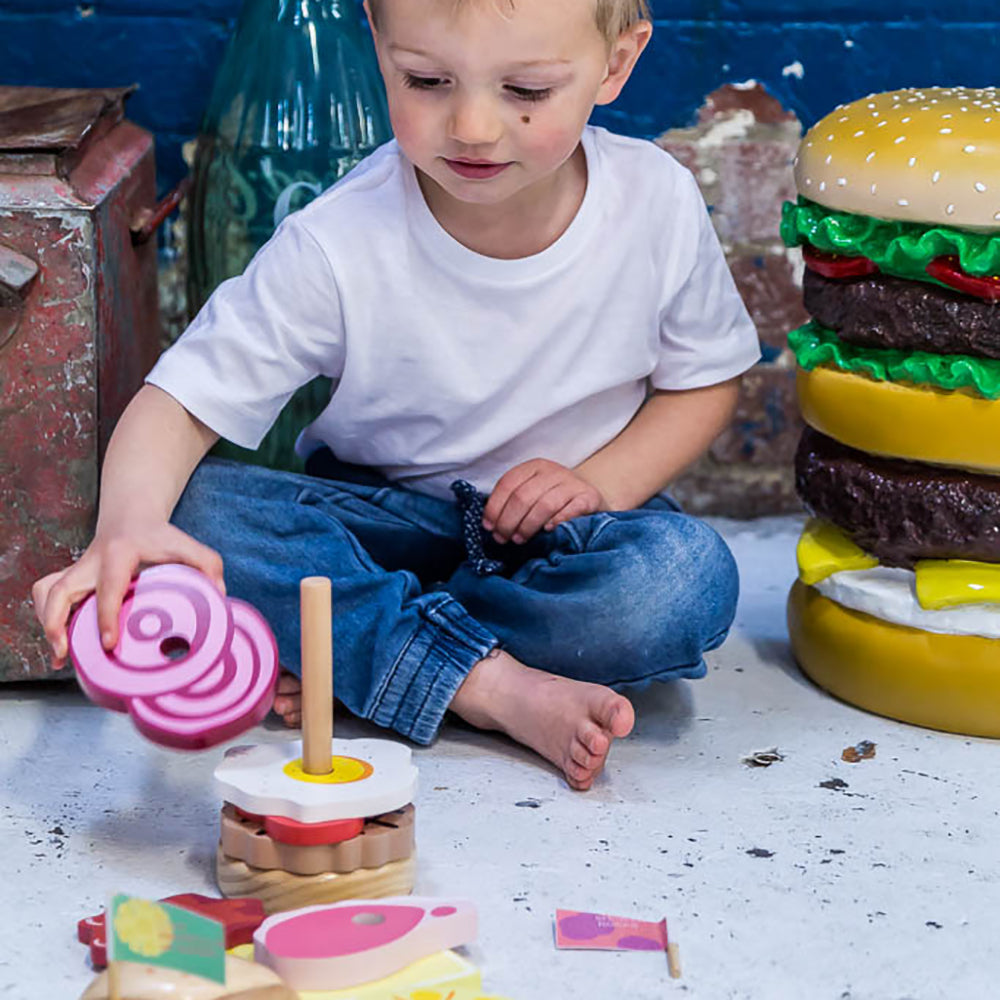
[527, 94]
[433, 82]
[421, 82]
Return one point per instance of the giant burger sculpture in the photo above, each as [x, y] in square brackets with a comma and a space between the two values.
[897, 605]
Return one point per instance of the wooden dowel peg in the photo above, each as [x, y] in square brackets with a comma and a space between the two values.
[317, 674]
[674, 960]
[114, 981]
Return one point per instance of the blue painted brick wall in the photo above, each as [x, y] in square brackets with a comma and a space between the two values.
[811, 55]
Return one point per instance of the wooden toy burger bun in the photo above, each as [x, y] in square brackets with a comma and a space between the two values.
[244, 981]
[897, 605]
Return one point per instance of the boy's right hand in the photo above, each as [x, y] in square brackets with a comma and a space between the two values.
[107, 566]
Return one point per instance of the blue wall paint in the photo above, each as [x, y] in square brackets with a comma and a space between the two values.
[845, 48]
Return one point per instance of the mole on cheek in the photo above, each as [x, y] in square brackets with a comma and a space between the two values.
[526, 119]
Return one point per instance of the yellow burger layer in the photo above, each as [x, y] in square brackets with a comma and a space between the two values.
[949, 682]
[900, 420]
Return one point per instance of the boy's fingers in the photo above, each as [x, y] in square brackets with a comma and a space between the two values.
[506, 485]
[111, 588]
[521, 503]
[574, 508]
[58, 597]
[182, 548]
[555, 499]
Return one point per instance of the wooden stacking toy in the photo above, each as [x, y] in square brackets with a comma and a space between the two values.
[333, 947]
[319, 819]
[191, 667]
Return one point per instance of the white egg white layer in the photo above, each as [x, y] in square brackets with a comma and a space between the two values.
[890, 593]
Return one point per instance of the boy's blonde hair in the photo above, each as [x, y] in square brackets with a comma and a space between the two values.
[612, 16]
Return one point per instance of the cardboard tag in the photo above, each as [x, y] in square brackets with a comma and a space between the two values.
[602, 932]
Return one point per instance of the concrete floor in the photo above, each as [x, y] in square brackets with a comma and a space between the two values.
[774, 884]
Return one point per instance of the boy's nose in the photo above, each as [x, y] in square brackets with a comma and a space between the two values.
[474, 122]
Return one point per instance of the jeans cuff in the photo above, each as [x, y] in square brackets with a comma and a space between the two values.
[430, 669]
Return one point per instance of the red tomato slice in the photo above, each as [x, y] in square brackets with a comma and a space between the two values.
[949, 272]
[835, 265]
[291, 831]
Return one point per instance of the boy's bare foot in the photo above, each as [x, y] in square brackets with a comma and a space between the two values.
[288, 700]
[571, 723]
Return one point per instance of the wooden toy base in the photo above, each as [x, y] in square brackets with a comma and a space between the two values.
[280, 890]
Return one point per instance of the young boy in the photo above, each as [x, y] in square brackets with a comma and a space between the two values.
[502, 295]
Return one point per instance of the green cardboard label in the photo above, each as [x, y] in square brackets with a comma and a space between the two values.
[151, 933]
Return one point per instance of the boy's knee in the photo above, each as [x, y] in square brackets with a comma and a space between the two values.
[682, 595]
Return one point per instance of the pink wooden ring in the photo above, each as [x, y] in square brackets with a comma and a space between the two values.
[234, 695]
[169, 609]
[192, 668]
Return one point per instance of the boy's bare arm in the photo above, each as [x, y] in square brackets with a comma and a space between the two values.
[152, 453]
[672, 430]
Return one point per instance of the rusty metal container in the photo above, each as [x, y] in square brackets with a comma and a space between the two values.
[79, 328]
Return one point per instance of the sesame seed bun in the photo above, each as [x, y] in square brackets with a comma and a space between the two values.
[928, 156]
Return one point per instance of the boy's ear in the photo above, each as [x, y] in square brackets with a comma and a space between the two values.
[371, 20]
[622, 58]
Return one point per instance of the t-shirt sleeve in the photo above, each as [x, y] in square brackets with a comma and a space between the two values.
[258, 338]
[706, 334]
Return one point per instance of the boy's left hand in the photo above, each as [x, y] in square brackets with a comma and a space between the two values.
[538, 494]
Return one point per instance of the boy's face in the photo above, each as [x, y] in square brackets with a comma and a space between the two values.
[489, 100]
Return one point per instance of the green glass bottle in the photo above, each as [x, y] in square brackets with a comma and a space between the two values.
[297, 102]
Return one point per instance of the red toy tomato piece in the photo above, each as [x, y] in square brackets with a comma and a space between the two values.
[835, 265]
[291, 831]
[949, 272]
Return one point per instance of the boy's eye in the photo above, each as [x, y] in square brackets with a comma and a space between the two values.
[422, 82]
[528, 94]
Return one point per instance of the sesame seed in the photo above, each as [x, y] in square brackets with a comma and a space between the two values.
[936, 177]
[980, 186]
[899, 139]
[841, 182]
[969, 149]
[904, 203]
[950, 209]
[912, 162]
[946, 131]
[870, 157]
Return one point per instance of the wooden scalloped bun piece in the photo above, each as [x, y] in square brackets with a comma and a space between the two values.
[244, 981]
[899, 373]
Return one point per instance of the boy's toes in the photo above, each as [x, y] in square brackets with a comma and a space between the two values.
[293, 720]
[578, 776]
[619, 717]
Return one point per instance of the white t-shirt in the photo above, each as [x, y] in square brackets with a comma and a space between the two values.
[448, 364]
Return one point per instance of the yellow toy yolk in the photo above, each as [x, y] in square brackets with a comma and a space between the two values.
[343, 770]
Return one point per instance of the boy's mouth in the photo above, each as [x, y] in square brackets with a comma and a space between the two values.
[476, 169]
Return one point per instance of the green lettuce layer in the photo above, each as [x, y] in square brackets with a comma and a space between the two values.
[814, 344]
[900, 248]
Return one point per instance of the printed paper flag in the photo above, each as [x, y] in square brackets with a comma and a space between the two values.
[168, 936]
[606, 933]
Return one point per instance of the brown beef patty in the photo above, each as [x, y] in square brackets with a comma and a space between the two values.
[896, 510]
[882, 311]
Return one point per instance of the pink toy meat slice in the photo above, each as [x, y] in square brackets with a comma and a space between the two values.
[192, 668]
[341, 945]
[236, 694]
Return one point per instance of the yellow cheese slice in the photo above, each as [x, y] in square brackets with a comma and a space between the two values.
[947, 583]
[824, 549]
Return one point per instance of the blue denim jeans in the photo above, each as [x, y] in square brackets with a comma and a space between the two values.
[620, 598]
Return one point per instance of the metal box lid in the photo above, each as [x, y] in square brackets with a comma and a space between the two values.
[46, 130]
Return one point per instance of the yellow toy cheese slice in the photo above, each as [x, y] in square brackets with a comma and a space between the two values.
[824, 549]
[948, 583]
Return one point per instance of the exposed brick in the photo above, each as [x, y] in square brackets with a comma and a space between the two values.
[737, 491]
[769, 282]
[766, 426]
